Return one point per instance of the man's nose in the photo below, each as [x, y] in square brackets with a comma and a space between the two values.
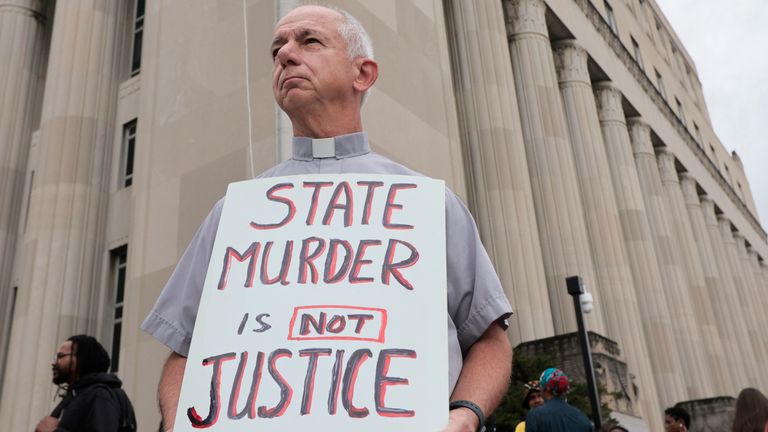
[287, 55]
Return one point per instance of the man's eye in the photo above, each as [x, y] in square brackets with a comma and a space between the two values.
[311, 40]
[274, 52]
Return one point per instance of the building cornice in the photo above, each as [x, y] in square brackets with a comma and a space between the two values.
[645, 82]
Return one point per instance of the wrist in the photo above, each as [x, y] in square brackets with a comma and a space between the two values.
[464, 419]
[467, 414]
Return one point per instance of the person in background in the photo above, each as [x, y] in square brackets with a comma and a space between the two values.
[93, 400]
[556, 415]
[751, 412]
[676, 419]
[531, 400]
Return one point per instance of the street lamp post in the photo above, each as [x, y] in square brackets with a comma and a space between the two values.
[576, 289]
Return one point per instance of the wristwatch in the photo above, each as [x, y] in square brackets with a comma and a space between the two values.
[474, 408]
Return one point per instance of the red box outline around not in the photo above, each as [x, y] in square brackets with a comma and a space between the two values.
[380, 339]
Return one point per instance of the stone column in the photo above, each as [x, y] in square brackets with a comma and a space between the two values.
[64, 237]
[739, 301]
[755, 314]
[673, 272]
[559, 210]
[682, 233]
[614, 277]
[733, 322]
[500, 184]
[720, 321]
[22, 49]
[760, 302]
[654, 310]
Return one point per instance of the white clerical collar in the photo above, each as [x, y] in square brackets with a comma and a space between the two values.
[338, 147]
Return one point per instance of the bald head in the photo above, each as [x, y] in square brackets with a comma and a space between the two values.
[358, 43]
[320, 75]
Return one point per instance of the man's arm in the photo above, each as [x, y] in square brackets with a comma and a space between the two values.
[169, 389]
[484, 378]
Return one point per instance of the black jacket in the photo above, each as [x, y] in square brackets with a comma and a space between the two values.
[92, 405]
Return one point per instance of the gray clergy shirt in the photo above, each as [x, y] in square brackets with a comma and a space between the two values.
[475, 296]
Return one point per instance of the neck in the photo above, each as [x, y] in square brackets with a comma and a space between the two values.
[327, 123]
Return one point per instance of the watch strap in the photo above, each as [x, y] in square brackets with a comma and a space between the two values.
[472, 407]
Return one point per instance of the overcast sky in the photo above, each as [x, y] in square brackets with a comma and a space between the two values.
[728, 41]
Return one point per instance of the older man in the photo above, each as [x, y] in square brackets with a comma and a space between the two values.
[323, 68]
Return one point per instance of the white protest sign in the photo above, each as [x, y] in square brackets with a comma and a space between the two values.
[324, 308]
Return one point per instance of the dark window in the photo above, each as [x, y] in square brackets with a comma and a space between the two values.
[636, 51]
[697, 133]
[4, 349]
[611, 18]
[119, 270]
[660, 84]
[680, 113]
[138, 34]
[29, 199]
[128, 149]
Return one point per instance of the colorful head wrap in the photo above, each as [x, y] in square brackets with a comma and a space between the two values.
[555, 381]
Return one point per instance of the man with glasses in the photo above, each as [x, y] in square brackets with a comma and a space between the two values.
[93, 399]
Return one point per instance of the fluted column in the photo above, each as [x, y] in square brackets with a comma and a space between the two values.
[701, 302]
[64, 237]
[719, 321]
[500, 184]
[655, 312]
[760, 302]
[741, 307]
[761, 288]
[559, 210]
[755, 314]
[614, 278]
[728, 304]
[672, 268]
[22, 52]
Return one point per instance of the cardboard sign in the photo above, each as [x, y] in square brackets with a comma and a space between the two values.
[324, 308]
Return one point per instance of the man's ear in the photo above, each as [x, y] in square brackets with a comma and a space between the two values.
[367, 73]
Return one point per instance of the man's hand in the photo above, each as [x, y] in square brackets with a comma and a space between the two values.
[169, 389]
[47, 424]
[462, 420]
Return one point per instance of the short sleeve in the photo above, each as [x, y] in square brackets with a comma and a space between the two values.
[172, 320]
[475, 296]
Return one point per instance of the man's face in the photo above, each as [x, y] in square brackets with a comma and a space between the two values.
[535, 400]
[311, 68]
[672, 425]
[64, 364]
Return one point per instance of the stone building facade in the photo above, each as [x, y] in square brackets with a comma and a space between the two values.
[575, 130]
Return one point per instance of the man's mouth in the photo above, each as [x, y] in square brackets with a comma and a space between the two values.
[290, 79]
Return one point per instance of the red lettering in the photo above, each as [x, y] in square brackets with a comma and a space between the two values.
[215, 407]
[393, 269]
[251, 253]
[309, 379]
[350, 378]
[307, 260]
[333, 205]
[392, 205]
[359, 262]
[382, 381]
[287, 201]
[285, 264]
[371, 188]
[286, 392]
[331, 274]
[315, 195]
